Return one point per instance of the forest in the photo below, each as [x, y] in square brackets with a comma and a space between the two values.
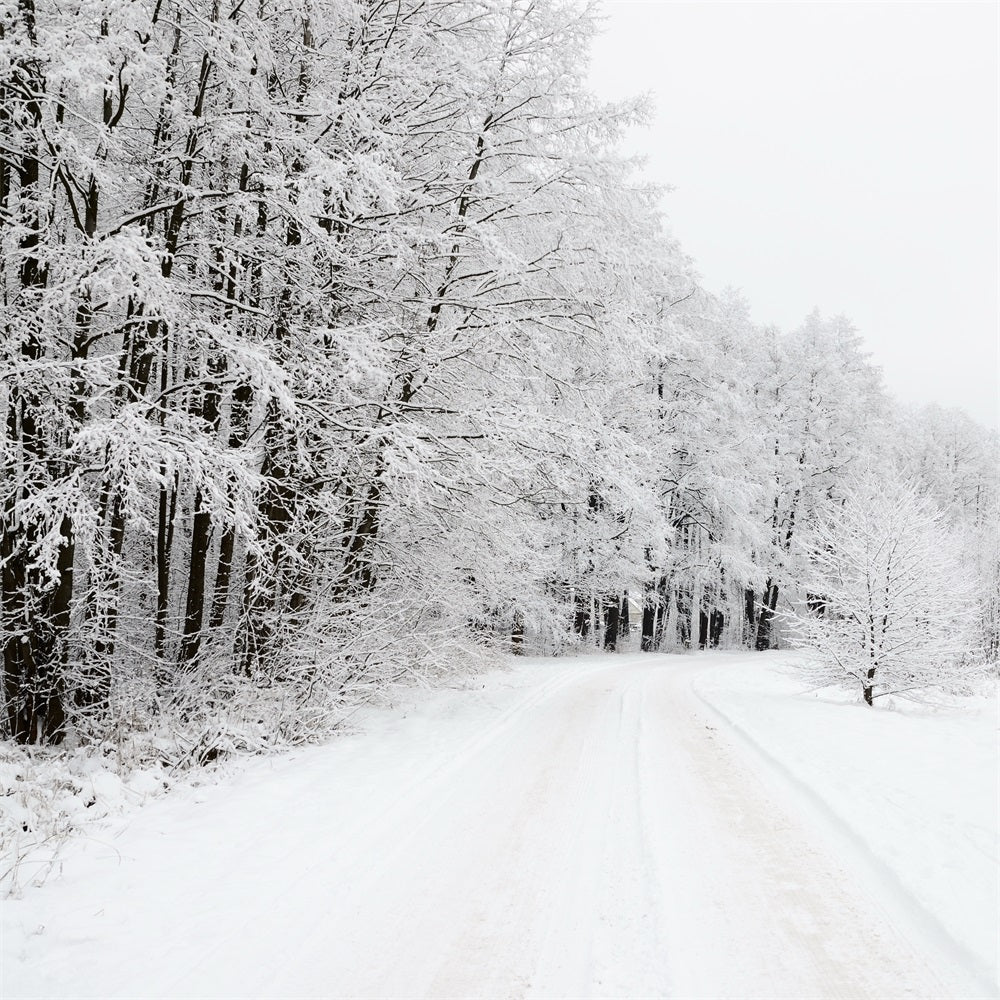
[341, 345]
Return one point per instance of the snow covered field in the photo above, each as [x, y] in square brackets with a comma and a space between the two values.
[605, 826]
[911, 795]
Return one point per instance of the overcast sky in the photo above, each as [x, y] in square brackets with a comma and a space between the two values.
[840, 155]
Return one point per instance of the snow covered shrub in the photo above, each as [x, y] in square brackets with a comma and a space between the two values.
[891, 605]
[49, 795]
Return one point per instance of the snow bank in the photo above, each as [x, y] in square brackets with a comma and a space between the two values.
[54, 799]
[49, 797]
[912, 789]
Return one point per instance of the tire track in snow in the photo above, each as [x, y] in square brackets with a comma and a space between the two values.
[597, 838]
[907, 909]
[369, 842]
[631, 950]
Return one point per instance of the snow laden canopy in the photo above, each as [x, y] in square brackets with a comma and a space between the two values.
[339, 346]
[891, 605]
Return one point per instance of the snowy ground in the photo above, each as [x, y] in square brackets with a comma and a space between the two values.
[607, 826]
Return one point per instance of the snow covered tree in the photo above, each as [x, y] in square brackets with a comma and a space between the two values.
[336, 342]
[956, 463]
[891, 604]
[313, 317]
[819, 402]
[709, 482]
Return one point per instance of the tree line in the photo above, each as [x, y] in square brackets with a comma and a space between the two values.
[339, 344]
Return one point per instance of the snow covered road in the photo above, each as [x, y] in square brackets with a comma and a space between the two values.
[593, 828]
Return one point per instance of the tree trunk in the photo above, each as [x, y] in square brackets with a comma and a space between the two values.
[165, 503]
[201, 535]
[868, 687]
[765, 621]
[517, 634]
[684, 602]
[581, 615]
[264, 602]
[717, 623]
[201, 538]
[749, 617]
[611, 624]
[648, 640]
[662, 613]
[35, 609]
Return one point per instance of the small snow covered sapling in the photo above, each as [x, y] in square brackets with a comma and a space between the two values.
[896, 602]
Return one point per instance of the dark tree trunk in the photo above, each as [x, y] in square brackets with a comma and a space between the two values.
[611, 624]
[750, 617]
[648, 641]
[165, 503]
[283, 595]
[716, 624]
[242, 399]
[103, 608]
[765, 621]
[201, 535]
[32, 689]
[35, 614]
[250, 639]
[517, 634]
[135, 369]
[35, 611]
[223, 579]
[361, 529]
[201, 538]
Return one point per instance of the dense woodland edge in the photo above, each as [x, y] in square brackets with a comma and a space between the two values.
[340, 346]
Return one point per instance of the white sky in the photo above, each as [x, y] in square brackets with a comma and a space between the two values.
[840, 155]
